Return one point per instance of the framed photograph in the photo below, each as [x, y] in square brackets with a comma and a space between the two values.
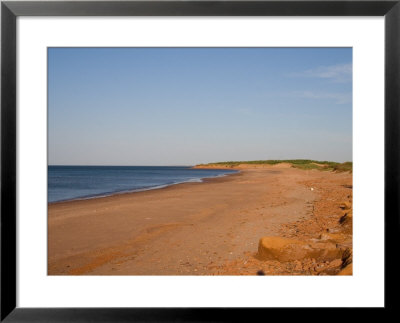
[181, 160]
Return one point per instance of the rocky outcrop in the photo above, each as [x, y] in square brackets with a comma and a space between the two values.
[346, 271]
[284, 249]
[330, 254]
[332, 237]
[347, 218]
[345, 205]
[347, 258]
[320, 243]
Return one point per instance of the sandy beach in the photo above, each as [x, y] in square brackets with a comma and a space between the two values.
[210, 228]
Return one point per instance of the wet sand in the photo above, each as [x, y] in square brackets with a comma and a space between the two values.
[205, 228]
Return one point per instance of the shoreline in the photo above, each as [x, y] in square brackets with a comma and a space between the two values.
[163, 186]
[209, 229]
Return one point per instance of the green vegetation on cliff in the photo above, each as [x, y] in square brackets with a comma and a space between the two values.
[297, 163]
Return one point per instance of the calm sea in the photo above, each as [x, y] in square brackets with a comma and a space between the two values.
[80, 182]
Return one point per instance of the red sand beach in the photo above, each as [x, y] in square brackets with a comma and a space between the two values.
[211, 228]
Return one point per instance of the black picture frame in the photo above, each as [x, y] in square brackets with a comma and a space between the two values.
[10, 10]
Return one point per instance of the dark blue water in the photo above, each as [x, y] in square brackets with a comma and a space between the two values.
[79, 182]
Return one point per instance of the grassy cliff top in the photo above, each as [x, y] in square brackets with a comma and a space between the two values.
[297, 163]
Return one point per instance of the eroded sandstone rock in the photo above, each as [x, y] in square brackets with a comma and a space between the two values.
[347, 257]
[333, 237]
[346, 218]
[345, 205]
[284, 249]
[346, 271]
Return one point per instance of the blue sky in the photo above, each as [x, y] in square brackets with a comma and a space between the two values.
[184, 106]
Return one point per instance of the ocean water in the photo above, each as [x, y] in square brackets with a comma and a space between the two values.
[81, 182]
